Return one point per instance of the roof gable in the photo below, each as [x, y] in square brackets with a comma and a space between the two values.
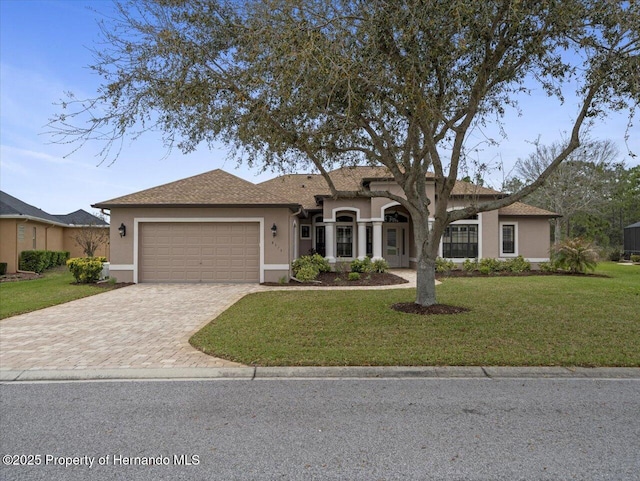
[215, 187]
[81, 217]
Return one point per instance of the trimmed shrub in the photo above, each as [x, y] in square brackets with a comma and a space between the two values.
[307, 272]
[517, 264]
[316, 260]
[85, 270]
[363, 266]
[547, 267]
[307, 268]
[470, 265]
[380, 266]
[353, 276]
[489, 265]
[3, 268]
[635, 258]
[444, 266]
[576, 255]
[35, 261]
[39, 261]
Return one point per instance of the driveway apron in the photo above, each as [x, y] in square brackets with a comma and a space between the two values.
[145, 325]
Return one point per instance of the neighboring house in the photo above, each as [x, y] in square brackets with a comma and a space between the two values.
[25, 227]
[632, 239]
[216, 227]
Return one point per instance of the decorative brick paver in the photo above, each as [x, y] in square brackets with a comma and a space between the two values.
[140, 326]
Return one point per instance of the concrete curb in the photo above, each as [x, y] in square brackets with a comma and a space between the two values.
[343, 372]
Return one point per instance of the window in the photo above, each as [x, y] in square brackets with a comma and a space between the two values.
[35, 232]
[305, 232]
[460, 241]
[369, 241]
[344, 237]
[508, 239]
[320, 240]
[395, 217]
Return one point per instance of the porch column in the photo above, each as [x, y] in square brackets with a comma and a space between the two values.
[296, 240]
[330, 244]
[362, 240]
[377, 240]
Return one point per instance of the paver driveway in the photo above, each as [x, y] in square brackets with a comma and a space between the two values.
[141, 326]
[145, 325]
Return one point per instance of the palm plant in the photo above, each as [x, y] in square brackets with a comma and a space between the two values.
[576, 255]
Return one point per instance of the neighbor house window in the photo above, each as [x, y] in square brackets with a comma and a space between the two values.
[35, 235]
[305, 232]
[508, 233]
[460, 241]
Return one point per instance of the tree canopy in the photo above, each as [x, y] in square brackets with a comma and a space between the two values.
[293, 84]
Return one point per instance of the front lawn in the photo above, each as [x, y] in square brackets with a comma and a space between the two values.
[54, 287]
[517, 321]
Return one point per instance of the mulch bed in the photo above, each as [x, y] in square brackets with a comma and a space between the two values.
[20, 276]
[413, 308]
[335, 279]
[27, 276]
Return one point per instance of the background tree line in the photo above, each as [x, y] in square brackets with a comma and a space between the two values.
[593, 190]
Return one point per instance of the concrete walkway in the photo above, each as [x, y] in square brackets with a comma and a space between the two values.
[142, 326]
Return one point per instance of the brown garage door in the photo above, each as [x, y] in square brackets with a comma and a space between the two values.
[199, 252]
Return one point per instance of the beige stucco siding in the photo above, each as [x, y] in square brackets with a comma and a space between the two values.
[277, 249]
[22, 235]
[490, 234]
[533, 236]
[8, 246]
[362, 208]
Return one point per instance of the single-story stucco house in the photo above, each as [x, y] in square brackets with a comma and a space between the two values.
[216, 227]
[25, 227]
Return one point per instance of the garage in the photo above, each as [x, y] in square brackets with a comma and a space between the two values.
[199, 252]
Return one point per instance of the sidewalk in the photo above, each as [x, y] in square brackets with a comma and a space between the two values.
[341, 372]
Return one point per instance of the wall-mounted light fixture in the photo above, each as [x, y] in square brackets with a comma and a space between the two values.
[122, 230]
[274, 229]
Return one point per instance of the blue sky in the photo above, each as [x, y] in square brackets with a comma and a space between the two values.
[44, 51]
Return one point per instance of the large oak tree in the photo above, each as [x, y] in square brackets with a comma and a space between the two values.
[400, 83]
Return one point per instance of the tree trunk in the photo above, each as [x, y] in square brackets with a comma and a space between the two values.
[426, 281]
[427, 242]
[557, 231]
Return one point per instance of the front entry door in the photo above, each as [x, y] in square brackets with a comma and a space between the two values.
[395, 248]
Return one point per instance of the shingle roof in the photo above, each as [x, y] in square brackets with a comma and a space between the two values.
[215, 187]
[13, 207]
[81, 217]
[521, 209]
[637, 224]
[302, 188]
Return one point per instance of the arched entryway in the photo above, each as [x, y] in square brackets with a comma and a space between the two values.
[396, 237]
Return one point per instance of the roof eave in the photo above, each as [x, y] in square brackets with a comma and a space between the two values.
[291, 206]
[30, 217]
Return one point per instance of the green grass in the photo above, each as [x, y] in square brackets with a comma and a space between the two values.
[55, 287]
[517, 321]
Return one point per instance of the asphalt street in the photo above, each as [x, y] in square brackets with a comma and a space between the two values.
[357, 429]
